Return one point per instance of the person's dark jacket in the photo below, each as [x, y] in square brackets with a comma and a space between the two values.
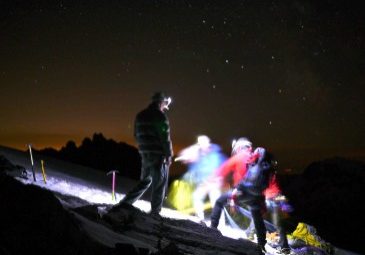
[258, 174]
[152, 131]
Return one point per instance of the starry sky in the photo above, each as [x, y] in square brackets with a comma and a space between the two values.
[288, 74]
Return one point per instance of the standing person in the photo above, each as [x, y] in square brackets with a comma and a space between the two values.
[203, 159]
[152, 133]
[250, 191]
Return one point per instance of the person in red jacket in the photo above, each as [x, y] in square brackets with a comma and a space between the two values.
[236, 165]
[249, 192]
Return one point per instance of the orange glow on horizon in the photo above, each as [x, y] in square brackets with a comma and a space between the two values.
[39, 142]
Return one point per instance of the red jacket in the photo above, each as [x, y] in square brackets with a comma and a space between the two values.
[238, 165]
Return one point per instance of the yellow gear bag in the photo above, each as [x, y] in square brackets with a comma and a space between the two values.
[180, 195]
[308, 234]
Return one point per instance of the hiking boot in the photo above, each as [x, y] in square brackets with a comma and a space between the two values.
[155, 215]
[214, 224]
[119, 206]
[262, 248]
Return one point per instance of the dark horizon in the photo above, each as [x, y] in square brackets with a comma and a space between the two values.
[178, 168]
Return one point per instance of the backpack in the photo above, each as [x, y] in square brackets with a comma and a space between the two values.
[259, 174]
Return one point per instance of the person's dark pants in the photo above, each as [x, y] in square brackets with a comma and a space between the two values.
[255, 204]
[259, 225]
[280, 222]
[155, 172]
[218, 207]
[283, 230]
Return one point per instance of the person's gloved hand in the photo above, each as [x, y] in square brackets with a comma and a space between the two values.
[232, 207]
[233, 199]
[168, 160]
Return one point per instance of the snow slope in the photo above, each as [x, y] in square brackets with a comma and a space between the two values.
[86, 192]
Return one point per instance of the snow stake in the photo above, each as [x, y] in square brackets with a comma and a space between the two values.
[31, 160]
[113, 182]
[43, 172]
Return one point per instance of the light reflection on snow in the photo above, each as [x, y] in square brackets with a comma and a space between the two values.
[99, 196]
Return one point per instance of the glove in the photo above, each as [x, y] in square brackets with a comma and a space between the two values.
[232, 200]
[168, 161]
[232, 207]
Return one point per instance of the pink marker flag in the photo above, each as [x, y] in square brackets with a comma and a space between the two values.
[113, 182]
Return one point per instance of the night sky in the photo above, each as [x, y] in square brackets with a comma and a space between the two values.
[287, 74]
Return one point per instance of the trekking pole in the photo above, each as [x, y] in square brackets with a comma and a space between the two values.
[113, 182]
[31, 160]
[43, 172]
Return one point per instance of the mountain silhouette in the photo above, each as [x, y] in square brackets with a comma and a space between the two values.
[100, 153]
